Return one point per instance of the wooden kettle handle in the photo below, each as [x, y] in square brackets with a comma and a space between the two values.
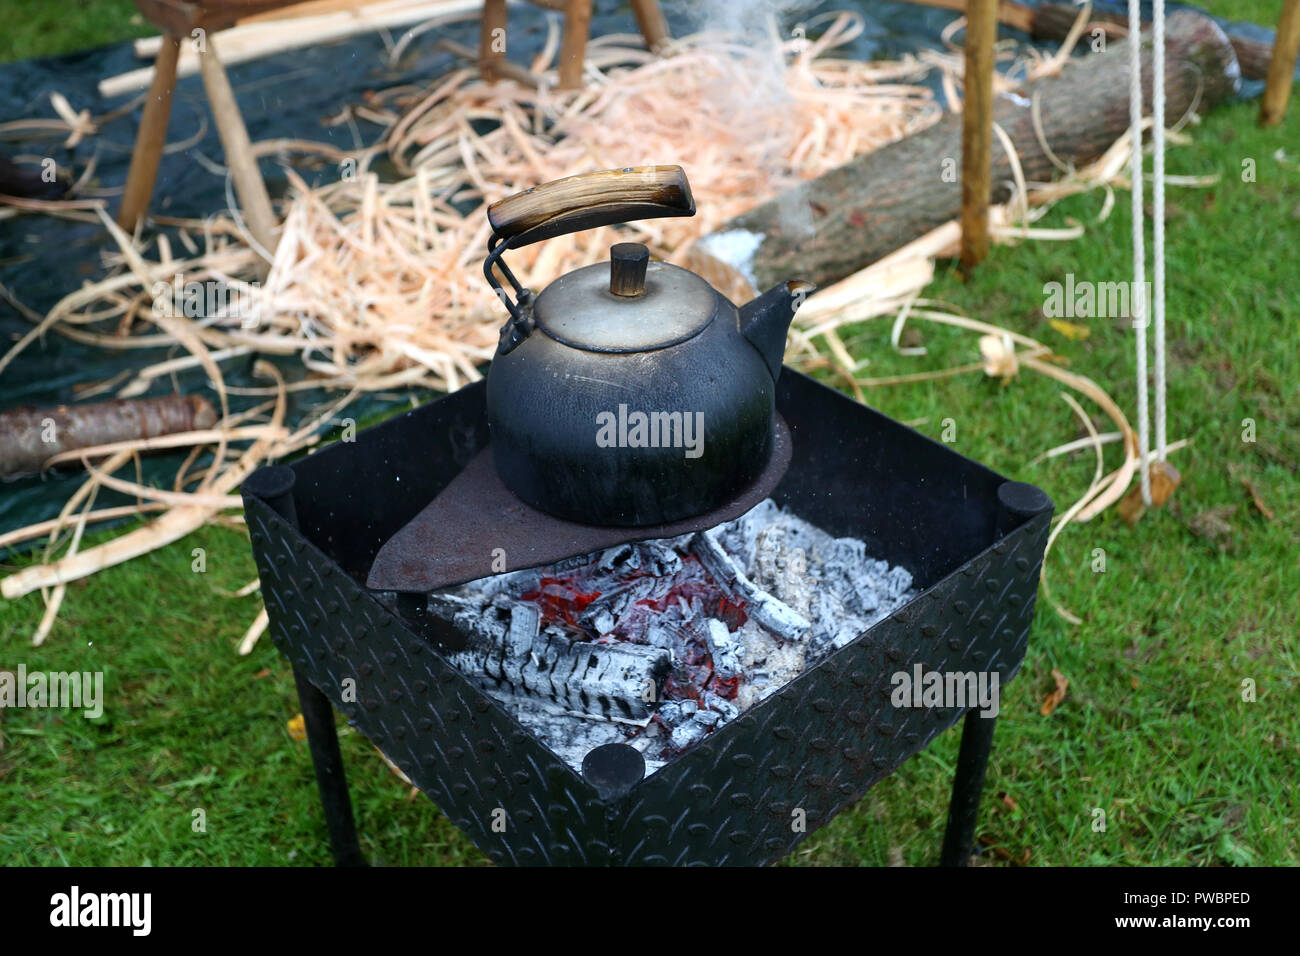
[590, 200]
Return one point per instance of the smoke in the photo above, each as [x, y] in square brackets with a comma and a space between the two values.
[760, 30]
[748, 18]
[760, 27]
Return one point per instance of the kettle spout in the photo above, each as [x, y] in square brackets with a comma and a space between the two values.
[766, 320]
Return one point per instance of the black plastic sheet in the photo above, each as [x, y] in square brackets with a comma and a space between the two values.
[288, 95]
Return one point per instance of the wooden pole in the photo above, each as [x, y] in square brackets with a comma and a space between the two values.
[238, 149]
[650, 20]
[977, 131]
[1281, 67]
[492, 40]
[151, 137]
[573, 52]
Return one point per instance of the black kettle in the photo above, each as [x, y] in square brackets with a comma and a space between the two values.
[627, 393]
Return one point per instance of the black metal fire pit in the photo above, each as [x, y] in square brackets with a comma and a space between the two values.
[972, 541]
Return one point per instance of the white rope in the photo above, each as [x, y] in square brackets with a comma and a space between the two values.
[1158, 214]
[1139, 246]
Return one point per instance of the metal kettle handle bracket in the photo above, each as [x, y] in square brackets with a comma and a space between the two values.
[570, 205]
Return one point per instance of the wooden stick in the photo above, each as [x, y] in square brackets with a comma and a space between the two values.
[977, 132]
[30, 436]
[151, 137]
[504, 68]
[310, 8]
[1281, 67]
[1012, 14]
[239, 150]
[650, 20]
[243, 43]
[492, 40]
[573, 53]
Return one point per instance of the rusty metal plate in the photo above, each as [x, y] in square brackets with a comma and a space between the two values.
[477, 527]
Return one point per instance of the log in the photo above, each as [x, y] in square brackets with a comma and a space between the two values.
[1052, 21]
[31, 436]
[832, 226]
[26, 182]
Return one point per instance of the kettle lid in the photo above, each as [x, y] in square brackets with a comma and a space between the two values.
[629, 304]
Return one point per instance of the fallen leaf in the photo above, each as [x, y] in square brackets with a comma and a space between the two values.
[1003, 854]
[264, 672]
[1263, 509]
[1008, 802]
[1055, 697]
[1213, 524]
[1071, 330]
[298, 728]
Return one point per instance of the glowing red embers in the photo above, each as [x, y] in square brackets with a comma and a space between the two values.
[560, 600]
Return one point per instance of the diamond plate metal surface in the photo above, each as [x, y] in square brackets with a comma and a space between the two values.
[817, 744]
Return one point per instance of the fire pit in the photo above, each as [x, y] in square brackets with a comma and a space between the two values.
[963, 545]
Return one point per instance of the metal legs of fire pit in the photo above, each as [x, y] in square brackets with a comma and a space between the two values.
[318, 715]
[967, 786]
[1017, 502]
[274, 485]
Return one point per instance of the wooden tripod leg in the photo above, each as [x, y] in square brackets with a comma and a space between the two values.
[977, 131]
[650, 20]
[1281, 66]
[573, 51]
[239, 151]
[492, 40]
[151, 137]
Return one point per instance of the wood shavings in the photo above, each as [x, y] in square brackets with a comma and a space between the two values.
[377, 285]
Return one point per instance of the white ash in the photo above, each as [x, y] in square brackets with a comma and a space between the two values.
[658, 643]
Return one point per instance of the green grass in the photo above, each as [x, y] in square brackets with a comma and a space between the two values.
[1153, 730]
[50, 27]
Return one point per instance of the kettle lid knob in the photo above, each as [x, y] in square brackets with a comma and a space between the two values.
[627, 268]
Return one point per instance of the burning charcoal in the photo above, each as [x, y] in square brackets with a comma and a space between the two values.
[769, 611]
[603, 621]
[714, 622]
[613, 556]
[603, 680]
[510, 583]
[725, 708]
[726, 665]
[709, 718]
[691, 731]
[525, 622]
